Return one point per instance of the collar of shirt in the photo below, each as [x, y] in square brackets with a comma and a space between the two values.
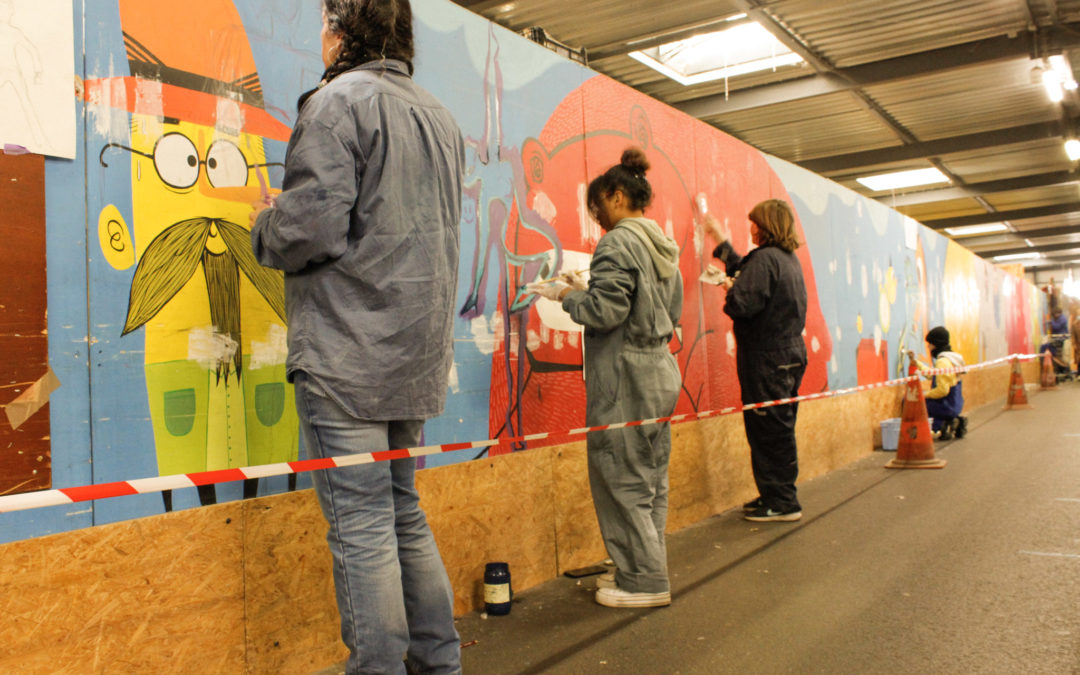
[392, 65]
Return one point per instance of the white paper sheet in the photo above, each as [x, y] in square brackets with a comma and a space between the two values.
[37, 76]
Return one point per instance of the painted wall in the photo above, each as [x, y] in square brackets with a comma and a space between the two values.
[168, 341]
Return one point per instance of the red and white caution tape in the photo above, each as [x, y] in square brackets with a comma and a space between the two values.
[61, 496]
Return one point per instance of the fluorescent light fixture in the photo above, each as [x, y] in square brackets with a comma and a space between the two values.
[1017, 256]
[1060, 65]
[970, 230]
[903, 179]
[1072, 149]
[736, 17]
[744, 48]
[1055, 90]
[1029, 243]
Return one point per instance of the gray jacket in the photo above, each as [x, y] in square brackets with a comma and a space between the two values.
[366, 230]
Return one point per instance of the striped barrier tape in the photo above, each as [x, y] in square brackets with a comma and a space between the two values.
[62, 496]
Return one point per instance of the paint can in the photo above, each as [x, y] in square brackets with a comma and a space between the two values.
[497, 592]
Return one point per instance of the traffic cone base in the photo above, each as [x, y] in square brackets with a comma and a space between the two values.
[915, 447]
[935, 463]
[1017, 392]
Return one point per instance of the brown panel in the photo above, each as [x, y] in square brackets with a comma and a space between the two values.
[162, 594]
[499, 509]
[293, 624]
[578, 535]
[25, 461]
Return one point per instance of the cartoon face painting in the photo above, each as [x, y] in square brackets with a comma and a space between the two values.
[213, 319]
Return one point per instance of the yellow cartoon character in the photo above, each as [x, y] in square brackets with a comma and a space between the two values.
[213, 318]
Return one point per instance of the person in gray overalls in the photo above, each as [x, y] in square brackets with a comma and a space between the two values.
[629, 309]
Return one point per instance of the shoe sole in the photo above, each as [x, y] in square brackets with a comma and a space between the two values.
[654, 600]
[782, 518]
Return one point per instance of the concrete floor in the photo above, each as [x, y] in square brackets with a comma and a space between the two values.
[974, 568]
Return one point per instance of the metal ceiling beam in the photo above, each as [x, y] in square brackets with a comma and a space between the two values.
[977, 189]
[1044, 248]
[1011, 237]
[832, 80]
[1000, 216]
[942, 146]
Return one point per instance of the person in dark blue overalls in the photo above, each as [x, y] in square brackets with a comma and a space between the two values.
[945, 398]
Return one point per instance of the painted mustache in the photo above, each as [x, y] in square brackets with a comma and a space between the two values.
[172, 259]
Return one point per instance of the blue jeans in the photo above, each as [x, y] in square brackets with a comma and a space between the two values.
[392, 589]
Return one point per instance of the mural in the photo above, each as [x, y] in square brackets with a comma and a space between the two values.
[212, 319]
[185, 334]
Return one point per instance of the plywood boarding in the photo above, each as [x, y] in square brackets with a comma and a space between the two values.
[25, 459]
[247, 587]
[162, 594]
[292, 616]
[496, 509]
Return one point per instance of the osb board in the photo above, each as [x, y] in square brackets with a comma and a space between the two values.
[688, 484]
[25, 459]
[990, 384]
[578, 535]
[161, 594]
[726, 462]
[293, 624]
[496, 509]
[882, 404]
[833, 432]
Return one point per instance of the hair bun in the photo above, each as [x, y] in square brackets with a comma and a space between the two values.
[633, 158]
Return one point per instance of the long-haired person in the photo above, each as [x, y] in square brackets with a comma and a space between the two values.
[366, 230]
[629, 310]
[767, 303]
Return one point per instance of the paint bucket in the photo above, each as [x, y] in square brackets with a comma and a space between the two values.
[890, 433]
[497, 592]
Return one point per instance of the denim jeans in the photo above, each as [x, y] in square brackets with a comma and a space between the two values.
[392, 589]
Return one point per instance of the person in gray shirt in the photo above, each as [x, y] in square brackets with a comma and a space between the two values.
[366, 231]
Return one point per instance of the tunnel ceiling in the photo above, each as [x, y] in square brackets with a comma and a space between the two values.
[954, 85]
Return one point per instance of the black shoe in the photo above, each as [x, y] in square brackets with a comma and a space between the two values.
[752, 505]
[946, 432]
[764, 515]
[961, 427]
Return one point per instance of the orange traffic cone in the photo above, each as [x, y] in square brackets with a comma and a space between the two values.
[915, 449]
[1017, 393]
[1047, 380]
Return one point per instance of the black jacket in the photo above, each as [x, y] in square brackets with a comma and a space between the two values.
[768, 300]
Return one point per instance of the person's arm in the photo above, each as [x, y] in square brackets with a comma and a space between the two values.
[309, 222]
[751, 291]
[606, 304]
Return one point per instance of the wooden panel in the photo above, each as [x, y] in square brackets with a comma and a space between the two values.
[161, 594]
[578, 533]
[25, 460]
[293, 623]
[498, 509]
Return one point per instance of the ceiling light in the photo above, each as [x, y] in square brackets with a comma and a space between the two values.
[1055, 90]
[744, 48]
[1017, 256]
[736, 17]
[969, 230]
[1060, 65]
[903, 179]
[1072, 149]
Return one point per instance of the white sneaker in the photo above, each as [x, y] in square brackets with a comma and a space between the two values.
[617, 597]
[606, 580]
